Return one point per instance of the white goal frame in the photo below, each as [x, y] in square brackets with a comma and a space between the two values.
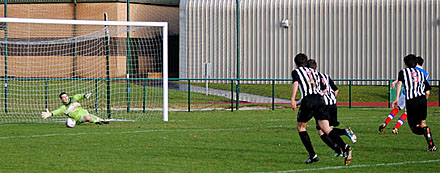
[164, 26]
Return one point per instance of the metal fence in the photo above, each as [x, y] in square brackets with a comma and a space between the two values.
[235, 95]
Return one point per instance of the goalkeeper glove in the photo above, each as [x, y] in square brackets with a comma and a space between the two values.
[87, 96]
[46, 114]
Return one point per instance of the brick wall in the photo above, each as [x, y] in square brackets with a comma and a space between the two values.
[35, 66]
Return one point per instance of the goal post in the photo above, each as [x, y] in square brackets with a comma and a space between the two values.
[124, 64]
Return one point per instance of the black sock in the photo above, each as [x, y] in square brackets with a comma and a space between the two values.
[340, 132]
[428, 136]
[330, 143]
[337, 139]
[307, 143]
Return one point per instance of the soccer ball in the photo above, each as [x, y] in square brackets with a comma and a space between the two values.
[70, 122]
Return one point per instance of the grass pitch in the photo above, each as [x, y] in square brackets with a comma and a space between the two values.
[214, 141]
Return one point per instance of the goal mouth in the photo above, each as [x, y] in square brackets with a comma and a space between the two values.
[123, 64]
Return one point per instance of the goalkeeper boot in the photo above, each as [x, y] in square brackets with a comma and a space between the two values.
[348, 154]
[351, 134]
[382, 126]
[102, 122]
[395, 131]
[312, 159]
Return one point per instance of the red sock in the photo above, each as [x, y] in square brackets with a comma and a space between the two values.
[401, 120]
[391, 115]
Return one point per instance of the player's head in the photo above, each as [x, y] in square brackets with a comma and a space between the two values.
[420, 60]
[410, 60]
[301, 60]
[64, 97]
[311, 63]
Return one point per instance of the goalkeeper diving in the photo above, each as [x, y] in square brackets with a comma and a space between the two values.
[73, 109]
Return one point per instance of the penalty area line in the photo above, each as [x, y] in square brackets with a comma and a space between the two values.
[141, 131]
[358, 166]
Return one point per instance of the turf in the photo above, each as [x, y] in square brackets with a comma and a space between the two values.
[213, 141]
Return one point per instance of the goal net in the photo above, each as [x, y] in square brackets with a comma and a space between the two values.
[123, 65]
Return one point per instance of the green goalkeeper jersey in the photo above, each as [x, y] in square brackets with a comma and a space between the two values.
[72, 109]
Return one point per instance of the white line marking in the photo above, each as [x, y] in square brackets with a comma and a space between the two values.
[360, 166]
[138, 131]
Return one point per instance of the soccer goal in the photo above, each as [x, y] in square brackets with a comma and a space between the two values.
[123, 64]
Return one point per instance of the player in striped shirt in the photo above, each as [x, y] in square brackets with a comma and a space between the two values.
[330, 103]
[309, 83]
[416, 87]
[401, 103]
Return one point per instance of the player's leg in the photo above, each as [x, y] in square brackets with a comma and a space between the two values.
[393, 113]
[402, 118]
[417, 112]
[324, 125]
[428, 137]
[305, 139]
[94, 119]
[324, 137]
[333, 121]
[304, 115]
[399, 123]
[322, 115]
[426, 130]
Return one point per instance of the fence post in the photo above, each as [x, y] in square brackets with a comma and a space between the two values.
[389, 93]
[232, 95]
[349, 94]
[144, 98]
[237, 94]
[96, 96]
[189, 95]
[46, 93]
[5, 30]
[273, 94]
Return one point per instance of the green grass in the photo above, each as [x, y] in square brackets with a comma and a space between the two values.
[213, 141]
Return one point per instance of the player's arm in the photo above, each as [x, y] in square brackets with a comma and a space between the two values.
[295, 78]
[333, 86]
[48, 114]
[82, 96]
[294, 90]
[393, 84]
[398, 88]
[427, 89]
[323, 85]
[59, 111]
[427, 85]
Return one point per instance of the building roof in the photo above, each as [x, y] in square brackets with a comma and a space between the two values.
[152, 2]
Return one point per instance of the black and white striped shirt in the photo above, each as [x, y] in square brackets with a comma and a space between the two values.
[309, 81]
[414, 82]
[329, 97]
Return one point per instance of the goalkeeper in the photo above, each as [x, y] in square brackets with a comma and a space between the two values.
[73, 109]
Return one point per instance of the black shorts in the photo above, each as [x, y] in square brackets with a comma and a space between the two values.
[416, 109]
[333, 116]
[312, 106]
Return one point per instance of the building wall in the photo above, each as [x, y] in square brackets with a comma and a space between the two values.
[95, 11]
[17, 65]
[61, 67]
[350, 39]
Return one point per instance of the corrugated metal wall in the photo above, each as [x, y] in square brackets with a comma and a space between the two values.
[350, 39]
